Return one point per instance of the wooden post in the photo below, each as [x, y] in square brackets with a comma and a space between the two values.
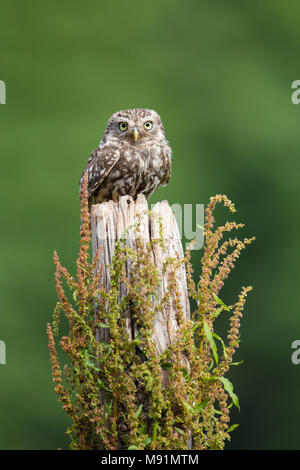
[109, 220]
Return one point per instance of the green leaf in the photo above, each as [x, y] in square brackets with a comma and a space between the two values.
[90, 363]
[138, 411]
[234, 426]
[220, 302]
[188, 407]
[185, 374]
[103, 325]
[108, 410]
[197, 325]
[101, 385]
[135, 342]
[107, 354]
[209, 336]
[229, 389]
[132, 448]
[222, 342]
[147, 441]
[217, 312]
[180, 431]
[166, 365]
[143, 428]
[236, 363]
[202, 405]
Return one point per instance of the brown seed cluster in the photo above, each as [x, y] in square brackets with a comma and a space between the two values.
[113, 391]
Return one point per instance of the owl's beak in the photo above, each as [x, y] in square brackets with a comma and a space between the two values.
[135, 133]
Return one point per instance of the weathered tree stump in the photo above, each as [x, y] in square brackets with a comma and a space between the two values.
[109, 220]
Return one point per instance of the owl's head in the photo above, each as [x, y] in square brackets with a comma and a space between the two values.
[135, 127]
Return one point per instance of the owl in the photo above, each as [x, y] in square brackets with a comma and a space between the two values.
[133, 157]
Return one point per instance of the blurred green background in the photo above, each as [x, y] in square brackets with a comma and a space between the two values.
[220, 75]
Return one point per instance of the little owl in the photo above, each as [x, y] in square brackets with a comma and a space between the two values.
[133, 157]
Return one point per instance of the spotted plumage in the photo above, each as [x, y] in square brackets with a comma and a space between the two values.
[133, 157]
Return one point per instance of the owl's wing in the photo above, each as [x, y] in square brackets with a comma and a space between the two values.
[168, 166]
[99, 165]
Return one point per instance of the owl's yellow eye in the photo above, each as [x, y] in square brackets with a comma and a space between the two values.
[148, 125]
[123, 126]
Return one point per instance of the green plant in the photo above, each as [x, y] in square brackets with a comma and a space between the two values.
[113, 390]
